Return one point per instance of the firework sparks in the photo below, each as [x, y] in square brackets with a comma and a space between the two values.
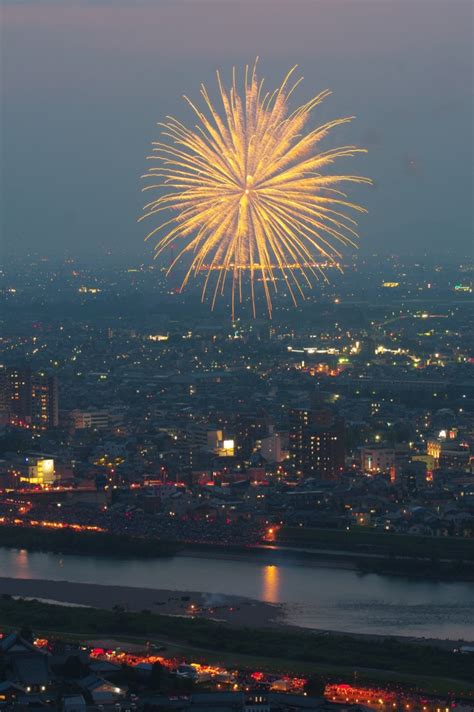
[248, 192]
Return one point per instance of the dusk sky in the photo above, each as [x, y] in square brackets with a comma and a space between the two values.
[84, 83]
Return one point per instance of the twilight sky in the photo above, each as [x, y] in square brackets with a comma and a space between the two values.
[84, 82]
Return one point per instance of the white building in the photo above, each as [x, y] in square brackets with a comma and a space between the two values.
[376, 460]
[271, 448]
[95, 419]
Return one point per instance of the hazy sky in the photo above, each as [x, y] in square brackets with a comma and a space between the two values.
[84, 83]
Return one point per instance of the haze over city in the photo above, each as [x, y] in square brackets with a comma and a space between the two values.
[84, 84]
[237, 457]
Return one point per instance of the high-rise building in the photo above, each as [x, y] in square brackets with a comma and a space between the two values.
[18, 392]
[249, 427]
[4, 398]
[31, 397]
[301, 424]
[44, 401]
[316, 444]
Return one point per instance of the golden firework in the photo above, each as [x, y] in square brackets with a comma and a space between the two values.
[247, 191]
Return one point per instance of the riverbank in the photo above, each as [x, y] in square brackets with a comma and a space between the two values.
[235, 610]
[419, 568]
[362, 551]
[271, 555]
[376, 542]
[69, 539]
[312, 597]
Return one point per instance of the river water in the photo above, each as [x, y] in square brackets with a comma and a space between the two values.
[313, 597]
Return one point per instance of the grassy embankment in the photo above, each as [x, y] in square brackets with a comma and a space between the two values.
[370, 541]
[427, 557]
[71, 541]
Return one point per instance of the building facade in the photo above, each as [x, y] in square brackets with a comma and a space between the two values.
[316, 444]
[31, 397]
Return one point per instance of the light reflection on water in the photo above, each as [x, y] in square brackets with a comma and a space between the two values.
[330, 599]
[271, 584]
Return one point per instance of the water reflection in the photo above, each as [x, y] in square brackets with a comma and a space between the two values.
[313, 597]
[271, 584]
[21, 564]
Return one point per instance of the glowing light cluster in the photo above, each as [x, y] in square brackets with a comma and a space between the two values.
[248, 193]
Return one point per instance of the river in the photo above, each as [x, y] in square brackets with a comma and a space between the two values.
[313, 597]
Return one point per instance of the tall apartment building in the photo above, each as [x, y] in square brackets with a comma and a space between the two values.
[31, 397]
[316, 443]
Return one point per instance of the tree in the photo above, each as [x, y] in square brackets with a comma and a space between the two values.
[3, 666]
[157, 676]
[74, 667]
[315, 686]
[27, 634]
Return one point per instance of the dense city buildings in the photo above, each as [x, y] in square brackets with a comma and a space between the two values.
[212, 430]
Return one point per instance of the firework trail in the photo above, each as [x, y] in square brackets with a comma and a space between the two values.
[249, 192]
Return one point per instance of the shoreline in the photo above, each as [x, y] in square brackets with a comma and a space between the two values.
[361, 563]
[68, 541]
[270, 556]
[235, 611]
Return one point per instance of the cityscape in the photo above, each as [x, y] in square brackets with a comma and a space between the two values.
[237, 464]
[341, 438]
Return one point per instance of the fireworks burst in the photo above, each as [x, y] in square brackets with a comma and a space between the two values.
[247, 191]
